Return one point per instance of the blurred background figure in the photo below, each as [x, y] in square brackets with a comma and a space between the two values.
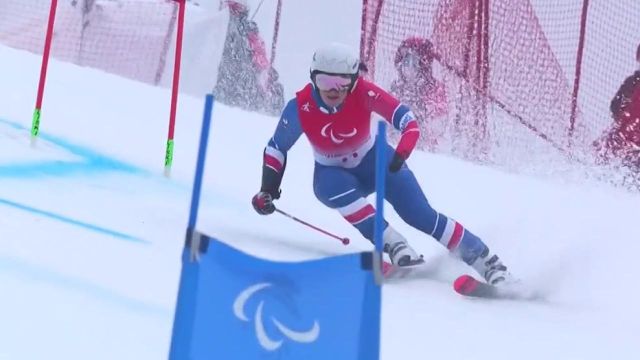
[620, 143]
[246, 77]
[416, 86]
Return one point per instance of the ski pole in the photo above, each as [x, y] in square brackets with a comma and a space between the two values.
[345, 241]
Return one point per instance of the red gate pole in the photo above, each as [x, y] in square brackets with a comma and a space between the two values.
[35, 122]
[168, 158]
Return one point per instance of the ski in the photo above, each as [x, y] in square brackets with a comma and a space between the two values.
[391, 271]
[467, 285]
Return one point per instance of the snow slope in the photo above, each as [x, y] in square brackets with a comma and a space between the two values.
[91, 232]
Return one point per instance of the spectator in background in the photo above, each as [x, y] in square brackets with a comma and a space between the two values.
[246, 77]
[418, 88]
[621, 142]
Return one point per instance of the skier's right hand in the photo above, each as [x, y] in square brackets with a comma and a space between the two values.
[263, 203]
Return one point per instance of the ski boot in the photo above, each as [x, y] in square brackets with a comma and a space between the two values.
[398, 249]
[493, 270]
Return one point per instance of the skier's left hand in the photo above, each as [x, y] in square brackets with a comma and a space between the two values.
[396, 162]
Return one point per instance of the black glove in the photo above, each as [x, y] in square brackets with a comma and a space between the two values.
[263, 203]
[396, 162]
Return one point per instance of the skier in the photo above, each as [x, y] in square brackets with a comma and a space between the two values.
[334, 112]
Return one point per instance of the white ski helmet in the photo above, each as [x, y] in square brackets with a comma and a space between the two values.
[335, 58]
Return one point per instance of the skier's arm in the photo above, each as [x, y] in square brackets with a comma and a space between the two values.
[401, 117]
[404, 121]
[275, 154]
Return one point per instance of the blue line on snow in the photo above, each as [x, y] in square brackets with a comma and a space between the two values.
[71, 283]
[92, 162]
[68, 220]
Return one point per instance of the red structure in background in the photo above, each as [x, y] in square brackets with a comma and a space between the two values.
[494, 54]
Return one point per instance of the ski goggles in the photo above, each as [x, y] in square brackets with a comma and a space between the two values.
[326, 82]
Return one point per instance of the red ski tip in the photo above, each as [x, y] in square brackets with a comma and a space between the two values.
[465, 284]
[387, 269]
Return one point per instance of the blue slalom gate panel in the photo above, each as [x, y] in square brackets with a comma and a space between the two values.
[232, 305]
[235, 306]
